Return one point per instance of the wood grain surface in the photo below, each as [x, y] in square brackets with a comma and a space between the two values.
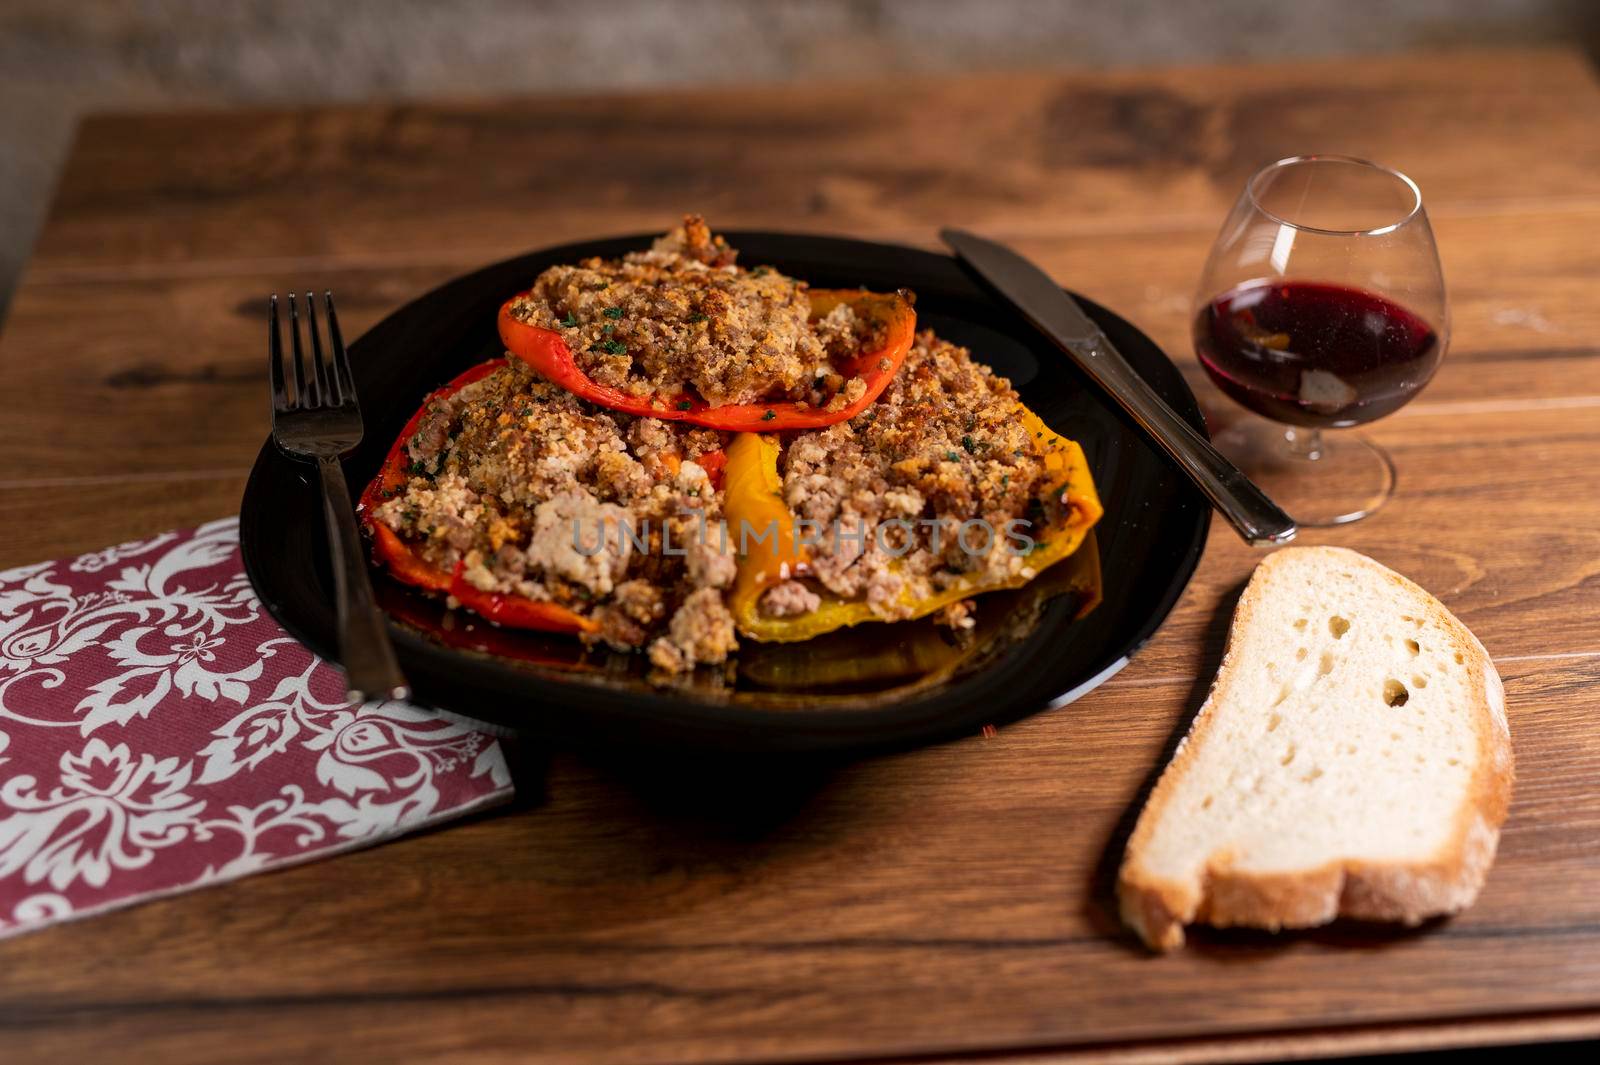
[935, 905]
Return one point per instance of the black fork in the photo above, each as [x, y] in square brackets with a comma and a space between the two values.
[318, 420]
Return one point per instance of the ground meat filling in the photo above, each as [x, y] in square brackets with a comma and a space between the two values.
[534, 492]
[682, 317]
[943, 445]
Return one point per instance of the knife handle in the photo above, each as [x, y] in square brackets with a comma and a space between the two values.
[1260, 521]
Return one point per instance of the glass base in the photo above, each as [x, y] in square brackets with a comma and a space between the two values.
[1321, 479]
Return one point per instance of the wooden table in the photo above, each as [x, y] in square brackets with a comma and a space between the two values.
[928, 906]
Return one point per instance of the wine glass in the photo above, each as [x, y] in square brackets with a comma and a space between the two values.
[1322, 306]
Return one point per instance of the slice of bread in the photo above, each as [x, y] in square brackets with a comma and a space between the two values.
[1352, 759]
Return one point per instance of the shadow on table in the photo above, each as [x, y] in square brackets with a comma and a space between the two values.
[732, 796]
[597, 836]
[1100, 910]
[684, 808]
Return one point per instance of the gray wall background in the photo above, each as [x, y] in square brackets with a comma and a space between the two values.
[61, 58]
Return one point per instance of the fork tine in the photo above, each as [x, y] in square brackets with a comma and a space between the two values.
[341, 360]
[305, 392]
[329, 394]
[280, 397]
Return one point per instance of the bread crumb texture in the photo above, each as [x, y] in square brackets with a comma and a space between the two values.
[1353, 759]
[926, 487]
[684, 318]
[536, 493]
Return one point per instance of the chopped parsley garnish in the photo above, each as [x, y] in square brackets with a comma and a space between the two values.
[966, 442]
[612, 312]
[419, 468]
[951, 456]
[1005, 479]
[599, 286]
[570, 321]
[697, 318]
[684, 404]
[610, 347]
[608, 329]
[771, 414]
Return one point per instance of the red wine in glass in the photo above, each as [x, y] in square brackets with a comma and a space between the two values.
[1321, 306]
[1315, 354]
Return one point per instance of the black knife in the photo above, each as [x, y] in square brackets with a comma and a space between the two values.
[1057, 315]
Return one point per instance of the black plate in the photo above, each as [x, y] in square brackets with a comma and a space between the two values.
[872, 687]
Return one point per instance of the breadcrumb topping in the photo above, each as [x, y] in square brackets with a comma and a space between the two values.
[942, 445]
[684, 318]
[534, 492]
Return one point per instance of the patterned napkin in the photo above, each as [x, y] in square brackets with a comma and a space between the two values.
[159, 732]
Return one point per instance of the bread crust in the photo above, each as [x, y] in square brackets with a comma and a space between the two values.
[1410, 892]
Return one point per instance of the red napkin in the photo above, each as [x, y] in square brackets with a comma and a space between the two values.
[159, 732]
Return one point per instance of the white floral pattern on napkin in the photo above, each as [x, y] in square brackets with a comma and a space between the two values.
[159, 732]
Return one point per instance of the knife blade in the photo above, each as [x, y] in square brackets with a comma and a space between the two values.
[1058, 316]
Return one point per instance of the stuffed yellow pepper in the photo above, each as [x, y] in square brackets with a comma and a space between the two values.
[945, 488]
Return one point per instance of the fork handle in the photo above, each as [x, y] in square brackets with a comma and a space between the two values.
[370, 669]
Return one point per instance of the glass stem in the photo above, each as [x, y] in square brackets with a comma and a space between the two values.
[1304, 443]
